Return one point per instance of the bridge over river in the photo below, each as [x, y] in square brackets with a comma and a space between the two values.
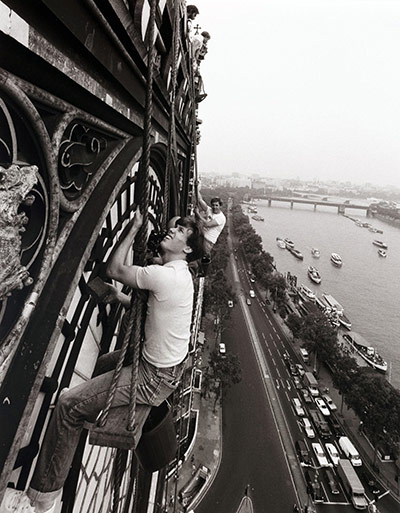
[341, 206]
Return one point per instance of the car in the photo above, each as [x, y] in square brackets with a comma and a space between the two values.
[313, 390]
[306, 395]
[302, 451]
[267, 301]
[320, 455]
[252, 280]
[297, 382]
[313, 487]
[298, 408]
[222, 349]
[252, 293]
[333, 453]
[248, 301]
[322, 406]
[300, 368]
[331, 405]
[336, 426]
[293, 369]
[308, 428]
[331, 481]
[230, 303]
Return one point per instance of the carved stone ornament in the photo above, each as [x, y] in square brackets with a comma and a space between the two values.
[15, 184]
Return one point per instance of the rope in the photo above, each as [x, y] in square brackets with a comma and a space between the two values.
[132, 337]
[171, 151]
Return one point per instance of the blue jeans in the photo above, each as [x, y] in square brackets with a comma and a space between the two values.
[82, 404]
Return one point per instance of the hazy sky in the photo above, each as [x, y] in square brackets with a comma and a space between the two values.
[304, 88]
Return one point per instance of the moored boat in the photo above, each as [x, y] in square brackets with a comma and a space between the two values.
[281, 243]
[296, 253]
[336, 260]
[380, 244]
[315, 252]
[344, 321]
[313, 274]
[306, 293]
[333, 303]
[368, 353]
[257, 218]
[382, 253]
[289, 243]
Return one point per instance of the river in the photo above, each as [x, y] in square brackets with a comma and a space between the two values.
[367, 285]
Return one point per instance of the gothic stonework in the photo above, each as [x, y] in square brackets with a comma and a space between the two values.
[15, 184]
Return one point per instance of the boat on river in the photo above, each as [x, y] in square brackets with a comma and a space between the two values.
[382, 253]
[257, 218]
[337, 311]
[380, 244]
[367, 352]
[289, 243]
[315, 252]
[281, 243]
[314, 275]
[306, 293]
[296, 253]
[336, 260]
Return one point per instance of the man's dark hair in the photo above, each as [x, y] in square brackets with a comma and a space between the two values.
[214, 200]
[192, 10]
[195, 240]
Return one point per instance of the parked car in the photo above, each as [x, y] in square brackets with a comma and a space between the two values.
[302, 451]
[306, 395]
[333, 453]
[308, 428]
[293, 369]
[331, 405]
[298, 408]
[320, 455]
[331, 481]
[222, 349]
[297, 382]
[252, 293]
[248, 301]
[322, 406]
[301, 370]
[230, 303]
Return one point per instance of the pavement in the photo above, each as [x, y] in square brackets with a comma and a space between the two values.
[207, 448]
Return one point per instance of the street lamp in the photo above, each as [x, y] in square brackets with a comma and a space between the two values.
[371, 506]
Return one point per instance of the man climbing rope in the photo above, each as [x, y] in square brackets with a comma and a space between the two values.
[165, 348]
[213, 221]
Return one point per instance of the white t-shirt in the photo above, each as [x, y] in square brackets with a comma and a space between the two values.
[169, 311]
[212, 234]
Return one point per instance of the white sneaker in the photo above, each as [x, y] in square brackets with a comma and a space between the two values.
[16, 501]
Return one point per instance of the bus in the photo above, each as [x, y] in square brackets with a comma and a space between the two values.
[350, 451]
[352, 484]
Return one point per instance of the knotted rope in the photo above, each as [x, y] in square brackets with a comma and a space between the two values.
[134, 337]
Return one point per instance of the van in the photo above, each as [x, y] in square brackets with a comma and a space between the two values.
[304, 355]
[298, 408]
[350, 451]
[252, 293]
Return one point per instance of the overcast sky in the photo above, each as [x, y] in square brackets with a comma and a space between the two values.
[304, 88]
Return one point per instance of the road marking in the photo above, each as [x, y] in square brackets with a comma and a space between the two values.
[288, 384]
[273, 360]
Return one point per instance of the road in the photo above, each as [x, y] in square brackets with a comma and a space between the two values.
[260, 425]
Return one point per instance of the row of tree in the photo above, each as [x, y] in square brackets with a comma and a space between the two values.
[375, 401]
[261, 263]
[222, 371]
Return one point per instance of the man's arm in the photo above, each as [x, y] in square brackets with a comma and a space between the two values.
[117, 268]
[201, 202]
